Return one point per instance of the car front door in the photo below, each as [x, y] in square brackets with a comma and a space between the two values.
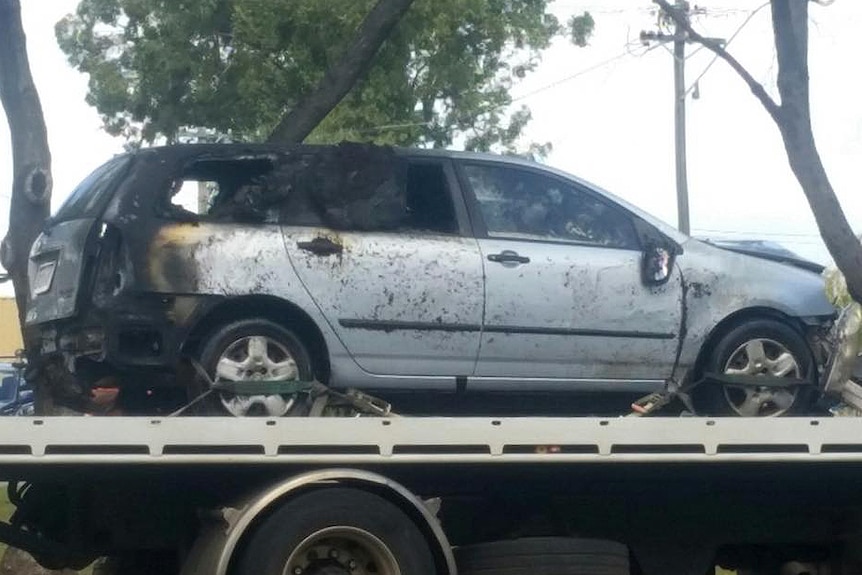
[566, 299]
[386, 258]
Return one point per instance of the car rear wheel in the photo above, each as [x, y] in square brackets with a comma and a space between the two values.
[760, 348]
[252, 350]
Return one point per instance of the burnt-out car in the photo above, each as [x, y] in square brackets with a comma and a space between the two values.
[404, 270]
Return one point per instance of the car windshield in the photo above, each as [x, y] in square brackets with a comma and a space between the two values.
[89, 196]
[7, 388]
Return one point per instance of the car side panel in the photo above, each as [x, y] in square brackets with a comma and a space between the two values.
[576, 312]
[403, 305]
[720, 283]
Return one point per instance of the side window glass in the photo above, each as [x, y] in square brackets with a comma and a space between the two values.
[227, 190]
[522, 204]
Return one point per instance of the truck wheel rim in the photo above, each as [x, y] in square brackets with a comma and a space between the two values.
[761, 357]
[256, 358]
[342, 550]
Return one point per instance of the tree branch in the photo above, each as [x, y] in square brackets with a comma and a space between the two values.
[340, 78]
[756, 88]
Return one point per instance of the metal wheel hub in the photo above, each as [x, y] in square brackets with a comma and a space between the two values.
[761, 357]
[256, 358]
[342, 550]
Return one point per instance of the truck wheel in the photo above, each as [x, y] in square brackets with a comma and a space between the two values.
[544, 556]
[139, 563]
[334, 531]
[252, 350]
[763, 347]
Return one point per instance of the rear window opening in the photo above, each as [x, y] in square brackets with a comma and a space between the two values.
[226, 190]
[90, 197]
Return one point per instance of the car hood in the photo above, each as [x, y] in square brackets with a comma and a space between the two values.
[758, 250]
[744, 280]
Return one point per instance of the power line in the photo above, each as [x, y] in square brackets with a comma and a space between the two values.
[679, 12]
[524, 96]
[578, 74]
[726, 44]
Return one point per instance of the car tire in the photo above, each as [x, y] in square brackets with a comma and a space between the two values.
[757, 347]
[270, 347]
[544, 556]
[324, 531]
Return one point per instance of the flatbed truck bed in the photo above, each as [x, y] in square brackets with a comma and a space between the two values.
[680, 494]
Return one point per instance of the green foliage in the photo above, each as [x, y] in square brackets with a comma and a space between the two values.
[158, 69]
[581, 28]
[836, 287]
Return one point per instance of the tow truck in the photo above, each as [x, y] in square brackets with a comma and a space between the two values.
[390, 495]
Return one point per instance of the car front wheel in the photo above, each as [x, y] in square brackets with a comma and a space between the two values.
[253, 350]
[759, 348]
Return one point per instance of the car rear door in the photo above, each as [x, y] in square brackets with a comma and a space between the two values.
[60, 254]
[566, 302]
[382, 249]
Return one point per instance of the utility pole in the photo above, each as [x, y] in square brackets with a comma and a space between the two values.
[679, 39]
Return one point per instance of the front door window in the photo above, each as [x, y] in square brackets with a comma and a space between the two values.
[525, 205]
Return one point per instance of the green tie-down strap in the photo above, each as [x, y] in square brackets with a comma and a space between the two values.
[263, 387]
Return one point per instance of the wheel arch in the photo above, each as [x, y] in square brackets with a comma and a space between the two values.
[226, 546]
[272, 308]
[736, 319]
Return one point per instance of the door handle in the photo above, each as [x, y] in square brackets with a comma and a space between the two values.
[508, 257]
[321, 246]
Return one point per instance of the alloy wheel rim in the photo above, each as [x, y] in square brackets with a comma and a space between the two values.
[761, 357]
[256, 358]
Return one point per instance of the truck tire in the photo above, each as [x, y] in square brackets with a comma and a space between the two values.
[337, 530]
[138, 563]
[544, 556]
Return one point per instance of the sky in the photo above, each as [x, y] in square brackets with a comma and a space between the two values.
[607, 109]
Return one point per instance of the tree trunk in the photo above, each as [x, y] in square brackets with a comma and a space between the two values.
[31, 185]
[340, 78]
[790, 26]
[31, 190]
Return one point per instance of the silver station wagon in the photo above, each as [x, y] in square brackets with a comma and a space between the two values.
[397, 270]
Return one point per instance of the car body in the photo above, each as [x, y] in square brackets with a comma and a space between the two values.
[397, 269]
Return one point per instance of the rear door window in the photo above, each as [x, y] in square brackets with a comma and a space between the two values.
[363, 188]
